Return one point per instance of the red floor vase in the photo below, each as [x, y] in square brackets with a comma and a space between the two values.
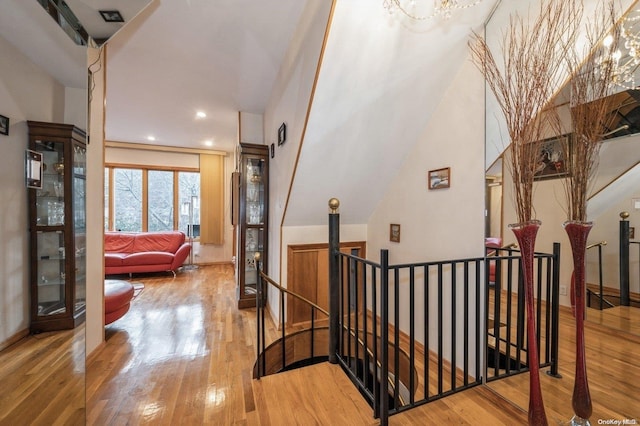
[581, 400]
[526, 235]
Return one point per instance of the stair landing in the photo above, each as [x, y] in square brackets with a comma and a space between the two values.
[322, 394]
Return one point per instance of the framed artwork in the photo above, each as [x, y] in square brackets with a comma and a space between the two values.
[394, 233]
[440, 178]
[4, 125]
[550, 158]
[282, 134]
[272, 150]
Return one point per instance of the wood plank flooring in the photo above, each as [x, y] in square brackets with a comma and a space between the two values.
[42, 380]
[184, 354]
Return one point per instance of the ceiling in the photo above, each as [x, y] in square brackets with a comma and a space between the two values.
[179, 57]
[170, 59]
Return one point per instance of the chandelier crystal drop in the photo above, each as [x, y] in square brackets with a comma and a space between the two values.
[625, 59]
[419, 10]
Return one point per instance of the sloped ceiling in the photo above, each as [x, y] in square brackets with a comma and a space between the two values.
[380, 81]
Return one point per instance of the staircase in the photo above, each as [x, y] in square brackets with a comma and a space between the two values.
[410, 334]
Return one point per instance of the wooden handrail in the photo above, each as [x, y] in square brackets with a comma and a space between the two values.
[304, 299]
[359, 340]
[601, 243]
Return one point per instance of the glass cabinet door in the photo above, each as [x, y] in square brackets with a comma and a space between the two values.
[254, 212]
[79, 225]
[255, 191]
[253, 219]
[50, 199]
[51, 273]
[254, 240]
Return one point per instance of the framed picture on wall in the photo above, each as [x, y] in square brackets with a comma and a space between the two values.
[440, 178]
[394, 233]
[550, 158]
[282, 134]
[4, 125]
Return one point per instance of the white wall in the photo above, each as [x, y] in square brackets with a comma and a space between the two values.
[75, 107]
[94, 327]
[446, 223]
[289, 103]
[27, 92]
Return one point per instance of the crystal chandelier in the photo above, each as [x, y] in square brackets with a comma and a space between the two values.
[626, 58]
[442, 8]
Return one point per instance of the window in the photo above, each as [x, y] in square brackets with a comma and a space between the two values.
[189, 195]
[152, 200]
[107, 182]
[127, 200]
[160, 205]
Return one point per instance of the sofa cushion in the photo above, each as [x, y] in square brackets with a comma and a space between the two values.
[114, 259]
[118, 242]
[168, 242]
[148, 258]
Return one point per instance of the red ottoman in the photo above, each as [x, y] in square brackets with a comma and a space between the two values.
[117, 298]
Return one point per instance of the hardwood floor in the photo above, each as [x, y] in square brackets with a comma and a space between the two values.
[42, 380]
[184, 354]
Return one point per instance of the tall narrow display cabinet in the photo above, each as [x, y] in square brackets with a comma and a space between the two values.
[252, 222]
[57, 224]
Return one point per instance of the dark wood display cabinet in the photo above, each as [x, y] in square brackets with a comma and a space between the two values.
[252, 222]
[57, 224]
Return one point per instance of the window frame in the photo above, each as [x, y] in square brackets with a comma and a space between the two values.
[145, 191]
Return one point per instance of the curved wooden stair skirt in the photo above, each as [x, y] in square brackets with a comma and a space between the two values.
[298, 355]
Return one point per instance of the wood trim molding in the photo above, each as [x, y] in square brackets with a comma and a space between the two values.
[15, 338]
[164, 148]
[147, 167]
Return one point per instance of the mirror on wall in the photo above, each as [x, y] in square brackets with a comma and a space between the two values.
[43, 77]
[613, 190]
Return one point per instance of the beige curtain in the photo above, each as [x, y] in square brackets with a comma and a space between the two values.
[211, 199]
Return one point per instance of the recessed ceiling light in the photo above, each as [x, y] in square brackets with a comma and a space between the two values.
[208, 143]
[111, 16]
[201, 114]
[151, 138]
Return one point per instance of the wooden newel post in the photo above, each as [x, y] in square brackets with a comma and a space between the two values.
[334, 280]
[624, 259]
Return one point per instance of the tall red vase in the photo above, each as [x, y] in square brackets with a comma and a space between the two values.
[526, 235]
[581, 400]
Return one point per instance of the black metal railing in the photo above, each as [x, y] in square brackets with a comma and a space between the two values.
[506, 318]
[636, 243]
[283, 344]
[600, 295]
[408, 334]
[624, 262]
[432, 312]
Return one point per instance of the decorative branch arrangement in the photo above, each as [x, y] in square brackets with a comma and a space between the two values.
[591, 116]
[524, 83]
[591, 105]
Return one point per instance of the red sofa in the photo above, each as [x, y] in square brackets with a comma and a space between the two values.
[492, 243]
[126, 253]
